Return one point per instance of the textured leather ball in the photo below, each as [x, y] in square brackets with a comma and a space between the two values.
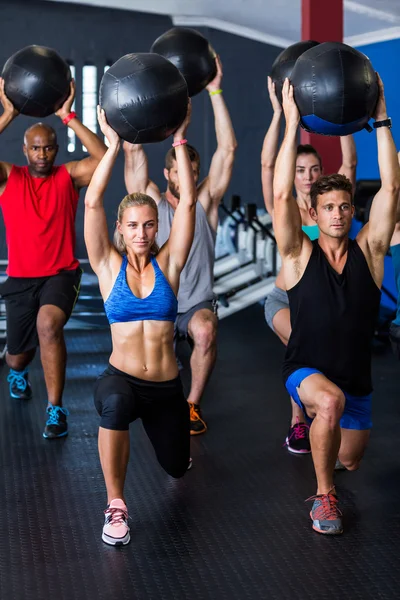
[335, 89]
[283, 64]
[191, 53]
[144, 97]
[37, 81]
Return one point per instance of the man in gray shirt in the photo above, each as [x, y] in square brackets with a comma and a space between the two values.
[196, 308]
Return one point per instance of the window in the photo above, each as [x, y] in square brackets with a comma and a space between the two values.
[71, 144]
[89, 98]
[89, 103]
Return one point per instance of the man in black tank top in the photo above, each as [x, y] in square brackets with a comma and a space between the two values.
[333, 286]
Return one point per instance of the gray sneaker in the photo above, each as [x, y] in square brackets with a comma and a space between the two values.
[325, 514]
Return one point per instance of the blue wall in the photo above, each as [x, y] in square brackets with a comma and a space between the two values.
[385, 59]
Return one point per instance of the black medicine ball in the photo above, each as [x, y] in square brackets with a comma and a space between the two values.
[37, 81]
[335, 89]
[144, 97]
[283, 64]
[191, 53]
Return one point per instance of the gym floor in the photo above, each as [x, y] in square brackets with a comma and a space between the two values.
[235, 527]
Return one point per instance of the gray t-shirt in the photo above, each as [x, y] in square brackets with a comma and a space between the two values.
[197, 277]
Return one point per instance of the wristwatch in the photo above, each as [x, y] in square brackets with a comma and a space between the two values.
[385, 123]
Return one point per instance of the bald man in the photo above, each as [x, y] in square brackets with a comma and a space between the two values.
[39, 203]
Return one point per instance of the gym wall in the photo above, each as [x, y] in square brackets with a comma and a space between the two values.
[385, 59]
[86, 35]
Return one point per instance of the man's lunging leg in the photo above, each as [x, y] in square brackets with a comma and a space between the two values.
[53, 354]
[203, 331]
[325, 403]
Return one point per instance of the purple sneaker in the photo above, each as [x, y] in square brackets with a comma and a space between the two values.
[298, 439]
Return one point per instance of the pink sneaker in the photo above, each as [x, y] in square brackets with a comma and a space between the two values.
[298, 438]
[116, 530]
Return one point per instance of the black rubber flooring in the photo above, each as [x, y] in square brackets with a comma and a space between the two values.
[235, 527]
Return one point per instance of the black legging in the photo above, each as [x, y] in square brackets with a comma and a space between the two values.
[121, 398]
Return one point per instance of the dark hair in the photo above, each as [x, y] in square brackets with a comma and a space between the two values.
[194, 156]
[329, 183]
[308, 149]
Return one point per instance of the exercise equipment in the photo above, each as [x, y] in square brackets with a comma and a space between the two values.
[37, 81]
[191, 53]
[248, 282]
[260, 246]
[244, 251]
[226, 242]
[335, 89]
[282, 66]
[144, 96]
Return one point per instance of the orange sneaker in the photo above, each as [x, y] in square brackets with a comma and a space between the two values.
[197, 423]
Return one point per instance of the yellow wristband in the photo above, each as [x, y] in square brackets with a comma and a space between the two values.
[215, 92]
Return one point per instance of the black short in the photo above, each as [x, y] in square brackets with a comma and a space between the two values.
[120, 398]
[24, 297]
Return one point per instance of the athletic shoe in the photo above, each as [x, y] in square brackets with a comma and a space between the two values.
[325, 514]
[298, 439]
[116, 530]
[339, 466]
[190, 464]
[197, 423]
[19, 385]
[56, 424]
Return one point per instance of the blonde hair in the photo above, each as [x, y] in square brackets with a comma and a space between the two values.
[136, 199]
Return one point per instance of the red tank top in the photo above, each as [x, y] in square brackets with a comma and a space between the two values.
[39, 216]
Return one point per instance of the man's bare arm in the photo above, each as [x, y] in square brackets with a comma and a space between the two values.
[215, 185]
[136, 172]
[9, 114]
[81, 171]
[379, 229]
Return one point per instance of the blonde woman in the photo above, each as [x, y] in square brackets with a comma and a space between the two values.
[139, 284]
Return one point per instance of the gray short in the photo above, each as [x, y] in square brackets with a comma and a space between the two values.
[182, 320]
[274, 302]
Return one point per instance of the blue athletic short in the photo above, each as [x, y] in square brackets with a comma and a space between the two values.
[357, 409]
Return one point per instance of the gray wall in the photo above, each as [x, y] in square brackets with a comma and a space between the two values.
[99, 36]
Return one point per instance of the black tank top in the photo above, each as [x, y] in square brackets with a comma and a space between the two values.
[333, 318]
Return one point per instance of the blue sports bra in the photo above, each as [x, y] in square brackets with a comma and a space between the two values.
[122, 306]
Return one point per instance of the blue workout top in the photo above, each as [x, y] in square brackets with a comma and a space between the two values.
[122, 306]
[312, 231]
